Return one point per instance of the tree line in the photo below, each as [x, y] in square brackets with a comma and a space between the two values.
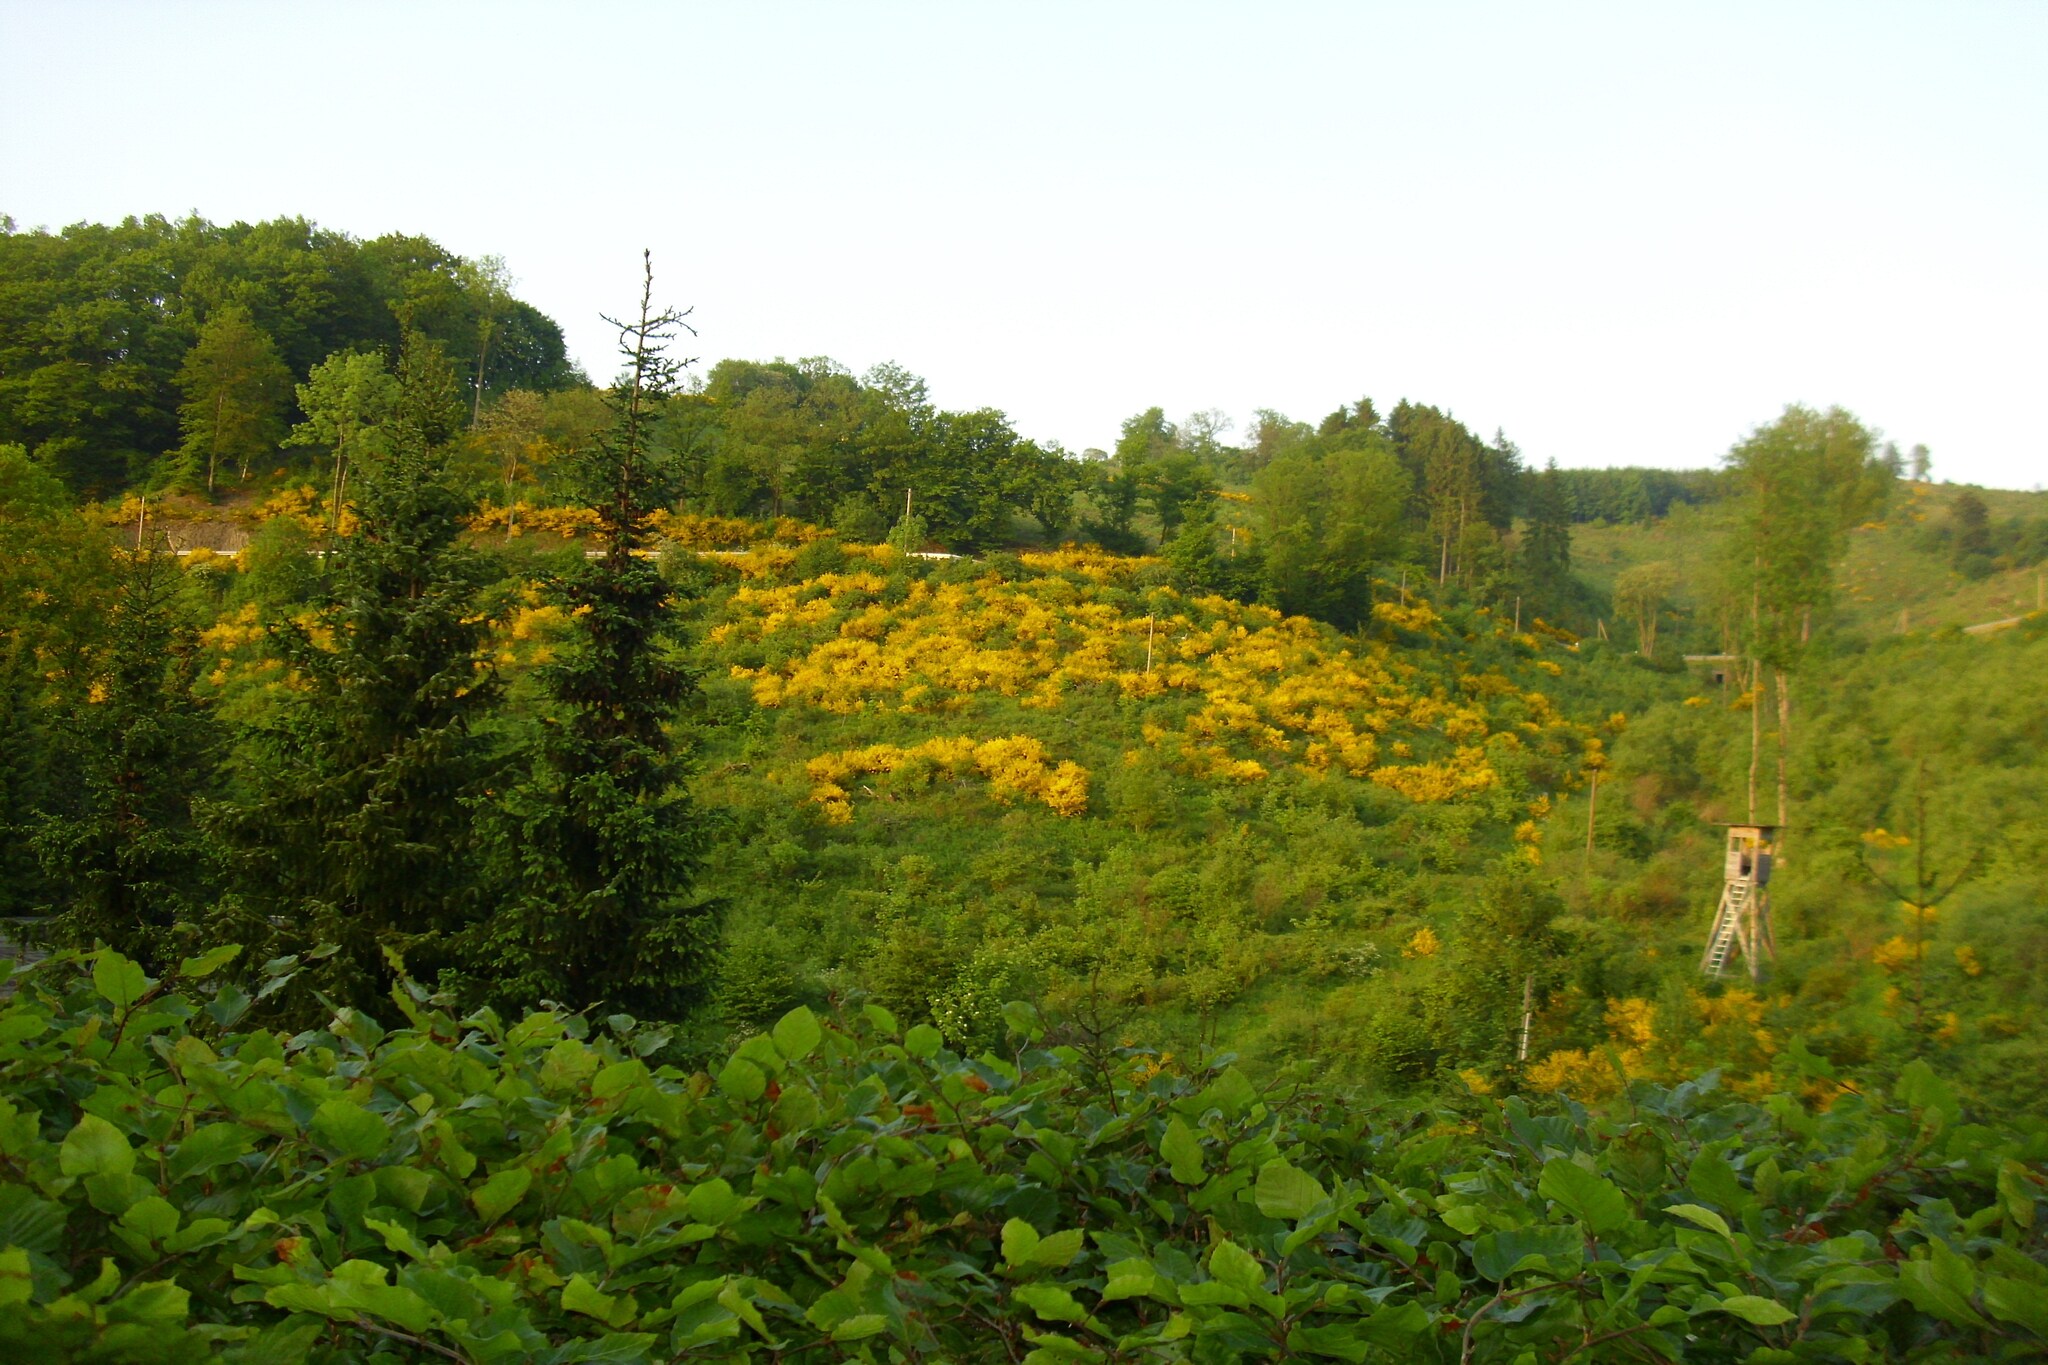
[158, 349]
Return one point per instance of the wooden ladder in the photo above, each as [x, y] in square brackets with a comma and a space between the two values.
[1727, 929]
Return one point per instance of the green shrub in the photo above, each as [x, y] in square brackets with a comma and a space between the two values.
[174, 1187]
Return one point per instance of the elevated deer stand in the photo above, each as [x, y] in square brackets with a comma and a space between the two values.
[1742, 926]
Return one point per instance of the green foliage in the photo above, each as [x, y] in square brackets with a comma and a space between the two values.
[97, 322]
[177, 1187]
[350, 821]
[1328, 524]
[236, 390]
[118, 842]
[1806, 479]
[600, 845]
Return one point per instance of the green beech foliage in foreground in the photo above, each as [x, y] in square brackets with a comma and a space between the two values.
[174, 1186]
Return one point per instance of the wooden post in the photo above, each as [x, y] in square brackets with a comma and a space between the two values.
[1528, 1008]
[1592, 809]
[1518, 613]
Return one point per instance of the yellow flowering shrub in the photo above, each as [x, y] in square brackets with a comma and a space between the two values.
[1423, 943]
[1015, 766]
[1632, 1022]
[1267, 691]
[1415, 616]
[300, 504]
[1585, 1076]
[1894, 955]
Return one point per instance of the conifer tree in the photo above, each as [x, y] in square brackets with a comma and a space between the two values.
[603, 843]
[121, 848]
[357, 831]
[1547, 543]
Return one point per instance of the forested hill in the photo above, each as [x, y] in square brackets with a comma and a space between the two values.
[109, 333]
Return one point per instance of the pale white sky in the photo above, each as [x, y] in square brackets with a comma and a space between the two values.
[1625, 233]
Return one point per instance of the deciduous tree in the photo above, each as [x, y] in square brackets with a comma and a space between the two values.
[236, 392]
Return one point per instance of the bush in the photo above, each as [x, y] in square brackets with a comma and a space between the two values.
[177, 1188]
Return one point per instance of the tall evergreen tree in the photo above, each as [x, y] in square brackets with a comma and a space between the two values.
[120, 847]
[357, 829]
[1547, 540]
[603, 842]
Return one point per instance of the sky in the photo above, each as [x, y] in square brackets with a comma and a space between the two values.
[1622, 234]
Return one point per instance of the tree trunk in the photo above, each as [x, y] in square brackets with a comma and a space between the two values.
[1756, 729]
[1784, 735]
[483, 348]
[213, 442]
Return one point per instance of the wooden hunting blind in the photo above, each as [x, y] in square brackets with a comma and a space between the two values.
[1742, 925]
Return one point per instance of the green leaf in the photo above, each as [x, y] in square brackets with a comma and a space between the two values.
[1051, 1302]
[742, 1080]
[581, 1296]
[207, 963]
[2016, 1193]
[1183, 1151]
[152, 1217]
[922, 1041]
[154, 1303]
[1339, 1341]
[1754, 1309]
[204, 1148]
[1286, 1191]
[1021, 1017]
[16, 1284]
[1706, 1218]
[860, 1325]
[1921, 1088]
[2011, 1300]
[1236, 1267]
[1941, 1285]
[713, 1202]
[95, 1147]
[497, 1196]
[1713, 1179]
[120, 981]
[797, 1032]
[1591, 1199]
[1058, 1250]
[349, 1131]
[1020, 1239]
[1500, 1255]
[1230, 1092]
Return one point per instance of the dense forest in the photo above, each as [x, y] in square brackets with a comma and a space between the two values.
[758, 865]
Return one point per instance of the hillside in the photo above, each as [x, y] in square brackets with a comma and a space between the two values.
[1892, 566]
[968, 784]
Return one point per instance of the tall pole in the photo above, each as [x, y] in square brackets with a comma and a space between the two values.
[1592, 809]
[1528, 1009]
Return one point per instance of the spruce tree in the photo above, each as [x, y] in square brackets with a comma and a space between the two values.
[357, 828]
[1547, 542]
[120, 848]
[602, 842]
